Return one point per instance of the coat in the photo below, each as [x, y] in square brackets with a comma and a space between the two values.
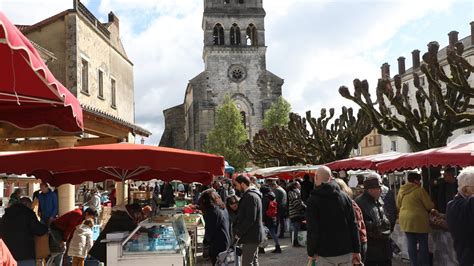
[119, 221]
[216, 230]
[460, 218]
[48, 205]
[414, 204]
[248, 226]
[18, 227]
[296, 206]
[268, 221]
[377, 226]
[81, 241]
[331, 222]
[68, 222]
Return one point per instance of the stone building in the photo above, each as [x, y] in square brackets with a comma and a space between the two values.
[91, 62]
[394, 143]
[88, 58]
[234, 56]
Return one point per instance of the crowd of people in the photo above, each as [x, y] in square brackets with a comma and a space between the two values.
[343, 226]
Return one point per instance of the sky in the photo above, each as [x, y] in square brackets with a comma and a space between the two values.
[314, 45]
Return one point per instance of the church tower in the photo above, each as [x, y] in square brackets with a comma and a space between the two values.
[234, 56]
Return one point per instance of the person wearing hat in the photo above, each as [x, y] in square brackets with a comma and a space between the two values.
[414, 205]
[379, 250]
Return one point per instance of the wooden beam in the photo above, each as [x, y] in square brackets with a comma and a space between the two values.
[29, 145]
[97, 141]
[11, 132]
[104, 128]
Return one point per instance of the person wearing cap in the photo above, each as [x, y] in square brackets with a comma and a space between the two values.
[414, 205]
[379, 250]
[460, 218]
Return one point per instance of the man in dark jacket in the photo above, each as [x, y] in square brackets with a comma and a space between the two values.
[18, 227]
[123, 218]
[379, 251]
[447, 189]
[248, 227]
[306, 187]
[333, 236]
[460, 218]
[282, 200]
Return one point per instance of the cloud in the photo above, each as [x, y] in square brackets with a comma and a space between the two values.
[315, 45]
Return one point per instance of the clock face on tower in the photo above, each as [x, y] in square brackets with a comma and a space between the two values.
[237, 73]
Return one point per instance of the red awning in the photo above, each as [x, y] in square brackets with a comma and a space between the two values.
[114, 161]
[363, 162]
[453, 155]
[30, 95]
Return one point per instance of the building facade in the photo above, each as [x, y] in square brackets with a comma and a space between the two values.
[234, 56]
[92, 63]
[394, 143]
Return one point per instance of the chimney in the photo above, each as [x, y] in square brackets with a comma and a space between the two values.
[416, 58]
[453, 37]
[113, 19]
[472, 32]
[401, 65]
[385, 70]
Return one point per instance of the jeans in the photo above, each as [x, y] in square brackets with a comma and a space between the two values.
[295, 228]
[26, 263]
[343, 260]
[272, 230]
[379, 263]
[250, 254]
[281, 222]
[420, 256]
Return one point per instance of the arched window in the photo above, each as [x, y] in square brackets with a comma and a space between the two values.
[235, 35]
[241, 1]
[244, 118]
[252, 35]
[218, 35]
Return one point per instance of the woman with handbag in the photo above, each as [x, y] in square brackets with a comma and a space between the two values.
[415, 205]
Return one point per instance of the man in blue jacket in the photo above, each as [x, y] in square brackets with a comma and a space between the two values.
[248, 227]
[460, 218]
[48, 204]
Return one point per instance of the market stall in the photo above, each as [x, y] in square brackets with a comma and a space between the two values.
[30, 96]
[160, 238]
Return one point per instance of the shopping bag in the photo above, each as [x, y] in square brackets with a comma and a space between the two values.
[42, 246]
[302, 237]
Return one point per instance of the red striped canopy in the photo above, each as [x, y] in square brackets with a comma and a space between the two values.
[30, 96]
[461, 154]
[363, 162]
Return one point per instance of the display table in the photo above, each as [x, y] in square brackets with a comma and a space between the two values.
[440, 244]
[162, 239]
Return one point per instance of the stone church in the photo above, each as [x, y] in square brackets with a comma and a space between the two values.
[234, 55]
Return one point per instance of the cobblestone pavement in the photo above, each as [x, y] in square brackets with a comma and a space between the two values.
[289, 257]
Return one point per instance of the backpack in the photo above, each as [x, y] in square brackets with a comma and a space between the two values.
[272, 209]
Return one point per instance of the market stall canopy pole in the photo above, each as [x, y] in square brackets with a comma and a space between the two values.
[30, 96]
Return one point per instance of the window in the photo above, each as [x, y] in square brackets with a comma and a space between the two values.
[251, 35]
[235, 35]
[113, 90]
[422, 81]
[100, 81]
[85, 76]
[226, 2]
[218, 35]
[244, 118]
[393, 146]
[241, 1]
